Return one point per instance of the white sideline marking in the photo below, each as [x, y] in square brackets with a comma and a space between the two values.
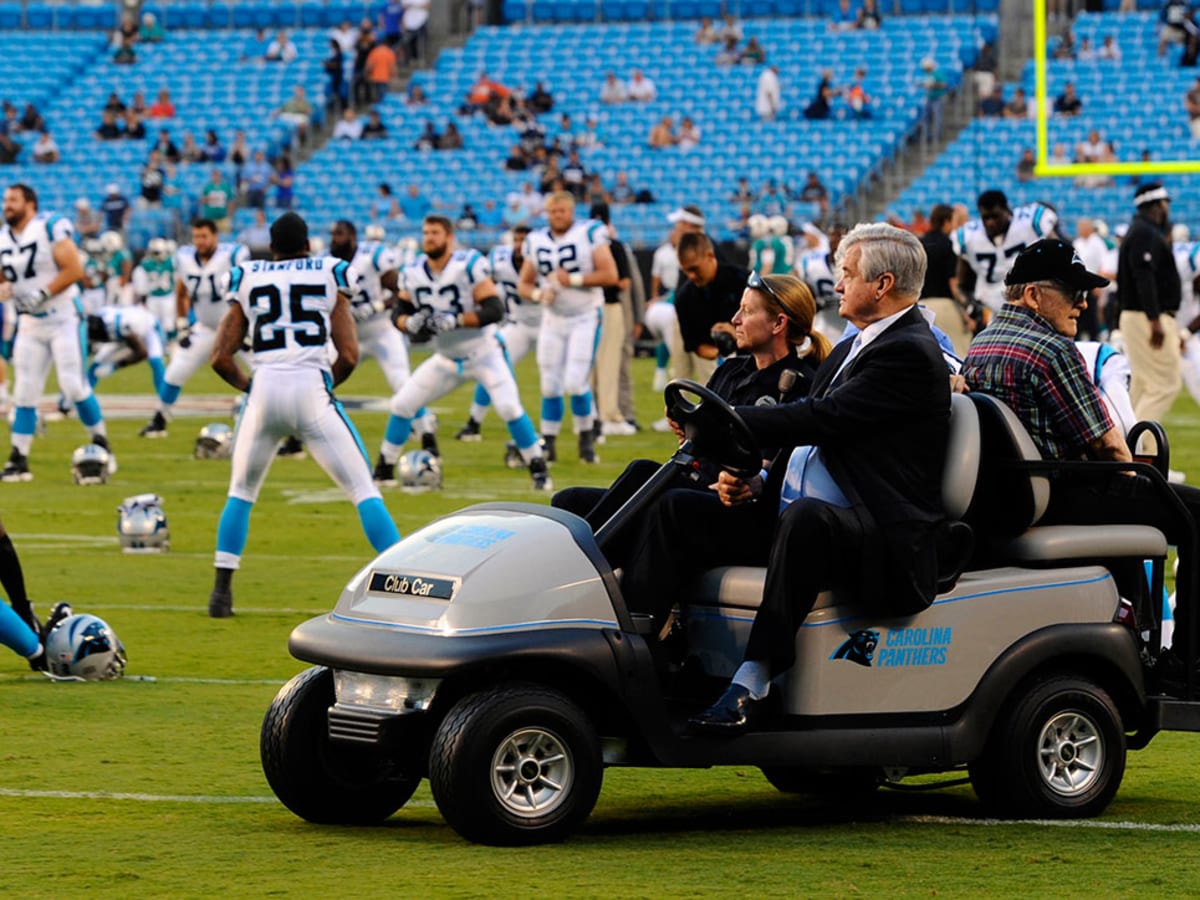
[241, 610]
[166, 679]
[160, 798]
[1049, 823]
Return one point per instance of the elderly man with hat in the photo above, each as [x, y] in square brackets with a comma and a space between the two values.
[1027, 358]
[1149, 293]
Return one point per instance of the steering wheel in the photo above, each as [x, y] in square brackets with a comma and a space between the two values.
[716, 431]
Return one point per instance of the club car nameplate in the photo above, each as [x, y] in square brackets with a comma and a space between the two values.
[400, 585]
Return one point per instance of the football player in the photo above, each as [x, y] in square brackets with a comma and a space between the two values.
[987, 246]
[126, 335]
[118, 263]
[448, 295]
[566, 267]
[154, 284]
[291, 309]
[521, 325]
[817, 270]
[374, 273]
[41, 268]
[773, 252]
[201, 279]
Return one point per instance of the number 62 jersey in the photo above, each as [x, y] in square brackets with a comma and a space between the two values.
[288, 304]
[570, 251]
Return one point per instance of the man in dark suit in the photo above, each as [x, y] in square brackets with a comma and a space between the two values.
[860, 501]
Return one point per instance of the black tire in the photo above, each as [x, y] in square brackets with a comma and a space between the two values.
[323, 781]
[1058, 752]
[844, 783]
[555, 764]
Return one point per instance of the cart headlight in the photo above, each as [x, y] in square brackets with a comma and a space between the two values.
[385, 691]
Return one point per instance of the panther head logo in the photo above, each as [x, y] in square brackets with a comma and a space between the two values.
[859, 647]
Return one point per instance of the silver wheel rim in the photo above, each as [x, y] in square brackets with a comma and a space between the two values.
[1070, 754]
[532, 772]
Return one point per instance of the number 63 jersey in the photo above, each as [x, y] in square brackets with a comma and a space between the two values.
[451, 290]
[288, 304]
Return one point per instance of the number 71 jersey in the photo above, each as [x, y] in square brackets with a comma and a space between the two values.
[288, 304]
[992, 261]
[207, 282]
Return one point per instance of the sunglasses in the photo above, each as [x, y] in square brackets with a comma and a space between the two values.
[1075, 295]
[757, 283]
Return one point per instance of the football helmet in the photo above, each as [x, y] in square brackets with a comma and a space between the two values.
[158, 248]
[375, 233]
[111, 242]
[93, 247]
[89, 464]
[758, 226]
[778, 225]
[142, 525]
[215, 441]
[420, 469]
[84, 647]
[316, 246]
[1180, 233]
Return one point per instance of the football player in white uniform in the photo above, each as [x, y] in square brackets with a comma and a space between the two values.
[988, 246]
[376, 276]
[201, 279]
[522, 322]
[817, 269]
[448, 295]
[124, 336]
[566, 267]
[291, 308]
[41, 268]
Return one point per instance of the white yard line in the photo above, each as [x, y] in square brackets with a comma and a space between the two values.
[157, 798]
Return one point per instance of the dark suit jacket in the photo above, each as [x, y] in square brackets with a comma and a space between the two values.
[882, 426]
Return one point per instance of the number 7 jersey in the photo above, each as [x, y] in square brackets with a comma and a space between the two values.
[993, 260]
[207, 282]
[288, 304]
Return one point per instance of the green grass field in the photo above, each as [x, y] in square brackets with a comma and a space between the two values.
[140, 788]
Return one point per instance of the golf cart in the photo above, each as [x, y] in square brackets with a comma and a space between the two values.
[493, 652]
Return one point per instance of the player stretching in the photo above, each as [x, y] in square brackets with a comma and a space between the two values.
[124, 336]
[519, 331]
[291, 308]
[374, 265]
[565, 267]
[201, 278]
[41, 266]
[451, 297]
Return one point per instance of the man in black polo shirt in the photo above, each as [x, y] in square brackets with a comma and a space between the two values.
[709, 292]
[940, 291]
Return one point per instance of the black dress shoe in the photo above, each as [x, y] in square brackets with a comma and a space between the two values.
[730, 715]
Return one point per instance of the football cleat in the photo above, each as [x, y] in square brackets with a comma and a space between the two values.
[17, 468]
[540, 475]
[469, 432]
[155, 428]
[587, 448]
[102, 442]
[550, 447]
[220, 604]
[38, 662]
[429, 444]
[385, 472]
[291, 448]
[512, 456]
[60, 611]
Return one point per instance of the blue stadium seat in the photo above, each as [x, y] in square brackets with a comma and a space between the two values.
[39, 15]
[219, 15]
[10, 15]
[188, 15]
[544, 10]
[514, 10]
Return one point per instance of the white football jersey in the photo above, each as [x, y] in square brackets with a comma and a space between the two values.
[27, 259]
[507, 274]
[572, 252]
[450, 291]
[288, 304]
[371, 261]
[666, 266]
[816, 270]
[207, 282]
[122, 321]
[1187, 263]
[992, 260]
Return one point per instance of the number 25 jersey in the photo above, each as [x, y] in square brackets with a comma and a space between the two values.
[451, 290]
[571, 252]
[288, 304]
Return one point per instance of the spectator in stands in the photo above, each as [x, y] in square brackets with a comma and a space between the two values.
[163, 108]
[539, 100]
[115, 208]
[868, 18]
[126, 55]
[662, 135]
[1066, 47]
[257, 235]
[491, 216]
[451, 138]
[814, 191]
[1068, 103]
[87, 221]
[730, 28]
[166, 147]
[1094, 150]
[822, 103]
[531, 201]
[428, 138]
[239, 153]
[622, 192]
[771, 201]
[151, 180]
[935, 84]
[415, 22]
[1109, 49]
[152, 30]
[516, 161]
[345, 36]
[217, 200]
[857, 97]
[284, 181]
[729, 54]
[1171, 23]
[483, 93]
[575, 176]
[390, 27]
[640, 88]
[134, 129]
[415, 96]
[753, 53]
[359, 88]
[348, 128]
[281, 49]
[1025, 165]
[127, 30]
[374, 129]
[551, 179]
[613, 90]
[190, 152]
[689, 134]
[385, 205]
[256, 46]
[1019, 107]
[843, 18]
[31, 119]
[334, 65]
[139, 105]
[1058, 156]
[45, 150]
[1191, 102]
[256, 178]
[113, 104]
[705, 33]
[768, 94]
[173, 193]
[1087, 53]
[415, 205]
[297, 111]
[501, 112]
[468, 219]
[109, 129]
[514, 213]
[213, 150]
[993, 105]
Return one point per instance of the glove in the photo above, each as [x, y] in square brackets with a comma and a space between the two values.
[29, 301]
[725, 342]
[185, 337]
[417, 322]
[363, 311]
[443, 321]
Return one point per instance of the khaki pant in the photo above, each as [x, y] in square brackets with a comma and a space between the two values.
[1156, 373]
[689, 365]
[950, 317]
[608, 364]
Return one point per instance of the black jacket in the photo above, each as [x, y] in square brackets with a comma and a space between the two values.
[1147, 280]
[698, 309]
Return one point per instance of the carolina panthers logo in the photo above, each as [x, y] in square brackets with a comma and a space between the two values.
[859, 647]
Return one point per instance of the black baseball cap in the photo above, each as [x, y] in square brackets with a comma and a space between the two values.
[1051, 260]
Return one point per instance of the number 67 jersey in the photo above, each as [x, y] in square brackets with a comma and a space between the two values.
[288, 303]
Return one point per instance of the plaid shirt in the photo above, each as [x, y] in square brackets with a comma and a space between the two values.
[1040, 375]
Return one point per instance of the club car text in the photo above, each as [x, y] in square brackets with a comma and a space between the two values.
[411, 585]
